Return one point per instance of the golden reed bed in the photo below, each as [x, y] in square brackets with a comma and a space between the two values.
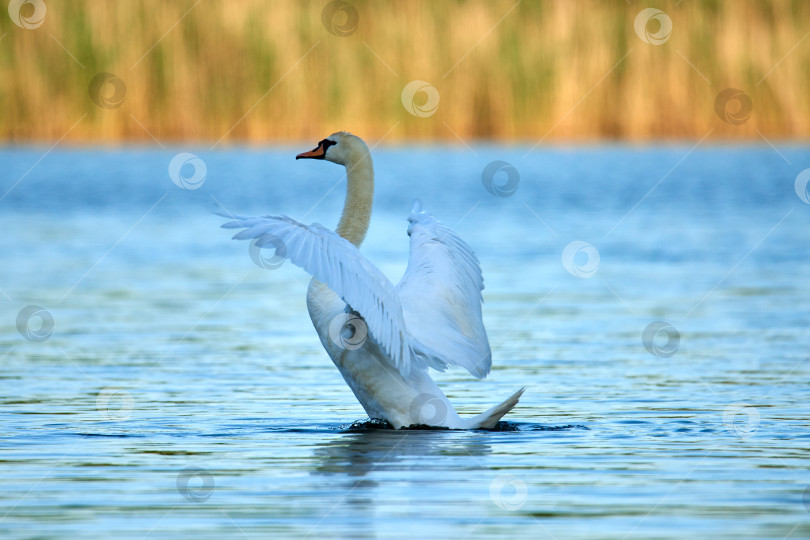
[221, 71]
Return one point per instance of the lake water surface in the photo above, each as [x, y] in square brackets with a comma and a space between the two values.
[182, 392]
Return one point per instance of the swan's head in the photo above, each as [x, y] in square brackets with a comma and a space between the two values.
[341, 147]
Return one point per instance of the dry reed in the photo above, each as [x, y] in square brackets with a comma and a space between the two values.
[253, 70]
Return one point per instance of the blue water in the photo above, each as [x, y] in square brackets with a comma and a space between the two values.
[181, 391]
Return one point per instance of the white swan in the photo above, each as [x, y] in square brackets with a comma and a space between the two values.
[382, 337]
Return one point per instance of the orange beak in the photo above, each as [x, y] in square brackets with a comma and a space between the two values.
[317, 153]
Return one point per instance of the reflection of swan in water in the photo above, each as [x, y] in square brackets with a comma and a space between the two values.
[357, 454]
[367, 472]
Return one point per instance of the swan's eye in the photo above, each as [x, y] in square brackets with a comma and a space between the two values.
[326, 143]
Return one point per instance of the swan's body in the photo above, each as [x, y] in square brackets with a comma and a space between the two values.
[382, 337]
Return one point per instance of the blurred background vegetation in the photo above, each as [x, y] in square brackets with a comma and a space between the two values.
[255, 70]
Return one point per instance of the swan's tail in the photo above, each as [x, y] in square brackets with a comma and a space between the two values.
[489, 419]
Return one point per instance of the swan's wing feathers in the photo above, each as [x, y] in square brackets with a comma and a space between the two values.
[440, 295]
[338, 263]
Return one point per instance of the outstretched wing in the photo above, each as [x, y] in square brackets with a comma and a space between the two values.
[440, 295]
[338, 263]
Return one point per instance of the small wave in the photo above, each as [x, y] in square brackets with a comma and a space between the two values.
[378, 424]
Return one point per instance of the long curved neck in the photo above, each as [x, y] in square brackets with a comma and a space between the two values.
[356, 215]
